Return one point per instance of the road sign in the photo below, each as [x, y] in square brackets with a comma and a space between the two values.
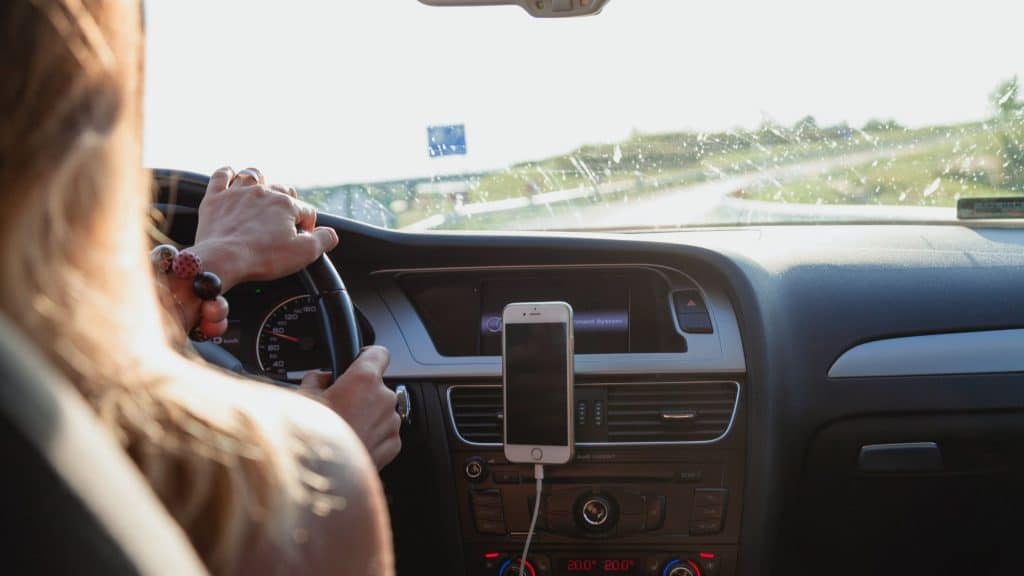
[446, 140]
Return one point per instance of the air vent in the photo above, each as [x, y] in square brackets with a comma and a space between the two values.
[673, 412]
[476, 413]
[677, 412]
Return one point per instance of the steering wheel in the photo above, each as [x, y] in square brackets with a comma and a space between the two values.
[179, 195]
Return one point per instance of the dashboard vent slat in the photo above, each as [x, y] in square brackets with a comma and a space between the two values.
[636, 411]
[475, 412]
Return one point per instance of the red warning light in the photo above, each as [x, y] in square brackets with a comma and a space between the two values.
[707, 555]
[492, 555]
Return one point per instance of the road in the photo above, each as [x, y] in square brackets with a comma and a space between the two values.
[709, 202]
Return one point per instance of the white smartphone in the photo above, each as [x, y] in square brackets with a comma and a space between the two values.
[538, 375]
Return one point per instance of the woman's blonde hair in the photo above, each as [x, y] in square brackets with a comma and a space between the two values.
[77, 280]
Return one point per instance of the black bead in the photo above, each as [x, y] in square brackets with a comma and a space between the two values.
[206, 285]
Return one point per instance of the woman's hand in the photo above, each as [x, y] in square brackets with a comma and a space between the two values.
[360, 397]
[251, 231]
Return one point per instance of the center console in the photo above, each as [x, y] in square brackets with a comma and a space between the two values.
[655, 489]
[656, 485]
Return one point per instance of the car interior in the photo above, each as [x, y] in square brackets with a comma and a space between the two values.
[819, 396]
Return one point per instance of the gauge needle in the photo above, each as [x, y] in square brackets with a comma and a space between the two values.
[282, 336]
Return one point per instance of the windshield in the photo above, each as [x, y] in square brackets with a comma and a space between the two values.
[655, 113]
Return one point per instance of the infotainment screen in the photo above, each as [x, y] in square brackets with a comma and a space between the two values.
[617, 310]
[601, 311]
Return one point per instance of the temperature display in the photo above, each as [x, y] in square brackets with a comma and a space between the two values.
[617, 566]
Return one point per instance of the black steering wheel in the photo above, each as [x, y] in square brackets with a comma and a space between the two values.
[178, 195]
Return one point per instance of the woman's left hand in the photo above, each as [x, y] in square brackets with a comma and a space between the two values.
[249, 230]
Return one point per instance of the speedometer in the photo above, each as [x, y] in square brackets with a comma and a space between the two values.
[289, 343]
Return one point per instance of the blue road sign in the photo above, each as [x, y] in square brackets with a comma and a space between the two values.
[446, 140]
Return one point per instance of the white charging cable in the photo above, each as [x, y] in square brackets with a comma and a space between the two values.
[538, 473]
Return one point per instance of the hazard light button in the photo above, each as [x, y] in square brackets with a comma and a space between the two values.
[691, 313]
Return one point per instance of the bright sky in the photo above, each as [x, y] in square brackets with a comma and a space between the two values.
[331, 91]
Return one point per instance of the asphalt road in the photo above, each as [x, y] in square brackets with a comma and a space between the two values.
[709, 202]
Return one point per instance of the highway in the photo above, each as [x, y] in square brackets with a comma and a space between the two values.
[710, 202]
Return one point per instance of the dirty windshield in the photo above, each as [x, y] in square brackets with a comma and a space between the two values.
[655, 113]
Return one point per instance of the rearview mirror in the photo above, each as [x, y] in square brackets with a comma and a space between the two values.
[538, 8]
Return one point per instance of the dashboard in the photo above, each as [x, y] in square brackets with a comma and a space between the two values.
[840, 381]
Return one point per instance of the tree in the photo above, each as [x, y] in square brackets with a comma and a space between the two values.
[1006, 99]
[805, 125]
[879, 125]
[1009, 109]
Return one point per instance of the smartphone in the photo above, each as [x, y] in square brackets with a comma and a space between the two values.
[537, 377]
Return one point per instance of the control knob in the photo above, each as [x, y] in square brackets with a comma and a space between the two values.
[596, 511]
[476, 469]
[677, 567]
[511, 568]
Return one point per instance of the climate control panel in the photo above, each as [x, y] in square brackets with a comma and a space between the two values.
[625, 563]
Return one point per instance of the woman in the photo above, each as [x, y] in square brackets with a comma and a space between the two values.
[262, 480]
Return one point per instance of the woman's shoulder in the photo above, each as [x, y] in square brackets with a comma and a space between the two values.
[331, 510]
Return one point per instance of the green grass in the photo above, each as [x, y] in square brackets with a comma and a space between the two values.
[963, 164]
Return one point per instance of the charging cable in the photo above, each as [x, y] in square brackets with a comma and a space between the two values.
[538, 473]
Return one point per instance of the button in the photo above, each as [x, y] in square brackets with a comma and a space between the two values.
[712, 566]
[486, 497]
[561, 5]
[709, 497]
[695, 323]
[492, 513]
[708, 513]
[654, 510]
[630, 523]
[537, 453]
[490, 527]
[476, 469]
[706, 527]
[690, 476]
[505, 476]
[689, 302]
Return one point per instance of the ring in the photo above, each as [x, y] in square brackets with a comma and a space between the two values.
[248, 171]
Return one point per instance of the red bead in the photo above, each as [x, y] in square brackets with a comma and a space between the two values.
[186, 265]
[213, 329]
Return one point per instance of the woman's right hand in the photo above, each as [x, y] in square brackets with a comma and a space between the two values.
[360, 397]
[249, 230]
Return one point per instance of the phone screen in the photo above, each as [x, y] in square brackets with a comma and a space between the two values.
[536, 391]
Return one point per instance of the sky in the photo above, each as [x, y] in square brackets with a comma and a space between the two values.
[320, 92]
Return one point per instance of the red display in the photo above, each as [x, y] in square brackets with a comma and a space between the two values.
[617, 566]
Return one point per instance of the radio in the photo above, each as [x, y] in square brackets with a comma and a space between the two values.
[632, 519]
[636, 500]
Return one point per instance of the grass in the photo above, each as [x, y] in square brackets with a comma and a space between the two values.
[963, 164]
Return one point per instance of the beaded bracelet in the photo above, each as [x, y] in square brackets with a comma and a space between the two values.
[187, 265]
